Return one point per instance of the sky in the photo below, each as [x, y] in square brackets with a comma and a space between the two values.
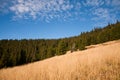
[53, 19]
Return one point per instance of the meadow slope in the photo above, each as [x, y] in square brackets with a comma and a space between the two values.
[99, 62]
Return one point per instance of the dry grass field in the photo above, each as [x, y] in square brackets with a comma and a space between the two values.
[98, 63]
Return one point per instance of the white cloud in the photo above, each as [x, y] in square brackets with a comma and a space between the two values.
[20, 8]
[116, 2]
[101, 13]
[101, 10]
[93, 3]
[48, 10]
[108, 2]
[41, 8]
[116, 5]
[103, 16]
[4, 6]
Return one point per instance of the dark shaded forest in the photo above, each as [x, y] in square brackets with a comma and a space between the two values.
[19, 52]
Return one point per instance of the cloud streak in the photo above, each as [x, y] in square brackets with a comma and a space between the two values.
[93, 3]
[4, 5]
[48, 10]
[44, 9]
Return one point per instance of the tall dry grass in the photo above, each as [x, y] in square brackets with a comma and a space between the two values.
[100, 63]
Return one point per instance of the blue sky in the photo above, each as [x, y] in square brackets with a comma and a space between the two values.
[48, 19]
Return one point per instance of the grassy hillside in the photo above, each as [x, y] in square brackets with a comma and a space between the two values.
[101, 62]
[19, 52]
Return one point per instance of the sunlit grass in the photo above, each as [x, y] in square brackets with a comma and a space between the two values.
[99, 63]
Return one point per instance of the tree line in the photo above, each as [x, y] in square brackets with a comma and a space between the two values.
[18, 52]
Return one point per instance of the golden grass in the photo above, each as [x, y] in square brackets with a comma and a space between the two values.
[99, 63]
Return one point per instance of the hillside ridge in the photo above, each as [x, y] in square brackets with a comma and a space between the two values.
[20, 52]
[99, 63]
